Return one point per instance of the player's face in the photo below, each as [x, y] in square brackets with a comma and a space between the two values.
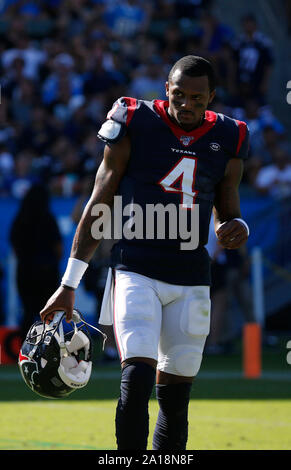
[189, 98]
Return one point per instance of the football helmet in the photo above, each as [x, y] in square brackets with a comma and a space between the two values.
[54, 362]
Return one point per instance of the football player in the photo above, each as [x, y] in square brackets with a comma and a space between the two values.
[157, 294]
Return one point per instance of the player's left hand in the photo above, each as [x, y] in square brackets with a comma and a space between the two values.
[232, 235]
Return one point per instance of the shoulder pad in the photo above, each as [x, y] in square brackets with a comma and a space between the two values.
[111, 131]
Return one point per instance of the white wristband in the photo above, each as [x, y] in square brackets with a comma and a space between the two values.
[74, 272]
[244, 223]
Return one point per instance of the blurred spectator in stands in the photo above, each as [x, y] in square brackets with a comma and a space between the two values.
[163, 13]
[39, 132]
[219, 106]
[6, 161]
[13, 76]
[253, 58]
[63, 76]
[216, 38]
[39, 22]
[18, 182]
[7, 126]
[275, 179]
[91, 153]
[96, 108]
[72, 18]
[64, 63]
[66, 181]
[37, 243]
[266, 134]
[24, 98]
[149, 81]
[60, 106]
[172, 42]
[6, 166]
[78, 122]
[33, 58]
[251, 169]
[127, 18]
[215, 35]
[265, 129]
[266, 145]
[98, 79]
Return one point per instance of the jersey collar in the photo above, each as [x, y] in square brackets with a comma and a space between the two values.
[186, 138]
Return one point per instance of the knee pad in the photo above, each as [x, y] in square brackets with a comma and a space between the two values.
[188, 362]
[184, 359]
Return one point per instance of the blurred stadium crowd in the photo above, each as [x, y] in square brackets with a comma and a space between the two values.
[63, 64]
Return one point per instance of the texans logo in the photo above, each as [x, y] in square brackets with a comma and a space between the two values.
[28, 368]
[22, 358]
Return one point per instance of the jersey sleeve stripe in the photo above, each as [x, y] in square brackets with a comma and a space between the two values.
[242, 128]
[131, 107]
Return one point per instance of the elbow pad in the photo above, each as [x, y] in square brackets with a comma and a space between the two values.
[111, 131]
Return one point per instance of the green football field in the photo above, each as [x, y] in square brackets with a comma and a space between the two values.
[227, 411]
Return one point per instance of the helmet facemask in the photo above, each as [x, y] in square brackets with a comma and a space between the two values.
[54, 363]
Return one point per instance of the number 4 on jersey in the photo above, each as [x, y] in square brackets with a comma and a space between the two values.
[181, 179]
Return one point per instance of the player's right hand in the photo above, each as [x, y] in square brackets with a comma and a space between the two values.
[62, 300]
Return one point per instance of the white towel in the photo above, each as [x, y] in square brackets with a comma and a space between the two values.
[107, 307]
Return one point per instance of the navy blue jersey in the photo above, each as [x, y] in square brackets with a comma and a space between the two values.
[168, 165]
[253, 57]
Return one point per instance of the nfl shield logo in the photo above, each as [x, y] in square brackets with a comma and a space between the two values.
[186, 140]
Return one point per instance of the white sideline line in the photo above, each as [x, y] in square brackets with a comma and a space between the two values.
[270, 375]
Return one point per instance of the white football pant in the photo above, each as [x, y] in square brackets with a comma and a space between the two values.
[153, 319]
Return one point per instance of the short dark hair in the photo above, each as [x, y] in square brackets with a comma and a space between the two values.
[195, 66]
